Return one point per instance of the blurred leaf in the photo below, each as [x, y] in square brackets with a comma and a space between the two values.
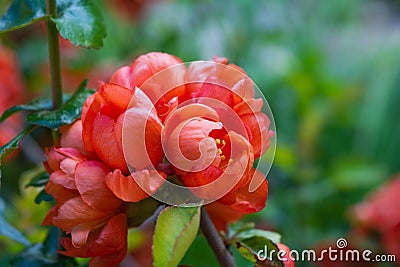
[350, 174]
[274, 237]
[34, 105]
[138, 212]
[40, 179]
[22, 13]
[81, 22]
[34, 256]
[14, 143]
[175, 231]
[235, 228]
[66, 114]
[9, 231]
[50, 244]
[43, 196]
[253, 247]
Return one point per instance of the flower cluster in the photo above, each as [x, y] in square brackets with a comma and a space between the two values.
[380, 213]
[157, 121]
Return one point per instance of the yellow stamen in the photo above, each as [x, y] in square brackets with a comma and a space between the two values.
[223, 157]
[220, 151]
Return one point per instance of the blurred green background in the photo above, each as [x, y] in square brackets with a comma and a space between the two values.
[330, 71]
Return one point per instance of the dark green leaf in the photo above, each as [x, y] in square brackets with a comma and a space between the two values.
[67, 114]
[34, 256]
[81, 22]
[138, 212]
[175, 231]
[35, 105]
[14, 143]
[9, 231]
[43, 196]
[39, 180]
[22, 13]
[259, 250]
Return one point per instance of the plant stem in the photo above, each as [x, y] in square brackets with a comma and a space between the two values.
[54, 55]
[224, 256]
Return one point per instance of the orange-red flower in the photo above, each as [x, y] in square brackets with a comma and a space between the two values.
[109, 113]
[85, 207]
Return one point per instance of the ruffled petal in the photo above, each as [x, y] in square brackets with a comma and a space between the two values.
[110, 248]
[126, 188]
[90, 182]
[258, 123]
[74, 212]
[106, 144]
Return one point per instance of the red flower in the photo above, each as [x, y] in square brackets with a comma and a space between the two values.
[11, 89]
[380, 212]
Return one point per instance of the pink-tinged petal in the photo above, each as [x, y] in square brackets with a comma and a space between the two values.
[123, 77]
[258, 123]
[149, 64]
[189, 146]
[53, 159]
[243, 90]
[61, 179]
[141, 139]
[105, 143]
[90, 182]
[127, 189]
[70, 153]
[70, 250]
[80, 234]
[59, 192]
[71, 136]
[74, 211]
[187, 112]
[110, 248]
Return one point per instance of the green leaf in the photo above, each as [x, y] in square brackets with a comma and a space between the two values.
[34, 256]
[67, 114]
[175, 231]
[80, 21]
[274, 237]
[40, 179]
[138, 212]
[9, 231]
[43, 196]
[259, 250]
[35, 105]
[14, 143]
[22, 13]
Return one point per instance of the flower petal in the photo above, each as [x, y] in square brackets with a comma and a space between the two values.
[90, 182]
[110, 247]
[105, 143]
[127, 189]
